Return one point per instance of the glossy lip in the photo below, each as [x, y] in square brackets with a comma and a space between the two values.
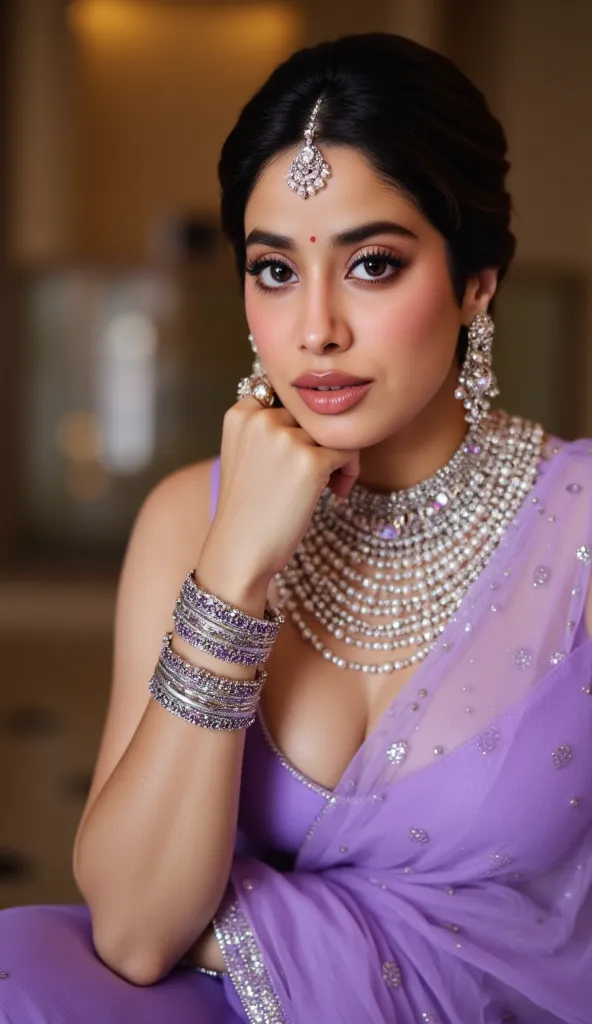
[333, 402]
[328, 379]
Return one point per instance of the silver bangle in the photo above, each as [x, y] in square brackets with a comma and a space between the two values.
[218, 645]
[194, 715]
[209, 971]
[262, 631]
[195, 676]
[222, 630]
[201, 697]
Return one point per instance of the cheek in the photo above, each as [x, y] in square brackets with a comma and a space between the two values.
[420, 315]
[266, 322]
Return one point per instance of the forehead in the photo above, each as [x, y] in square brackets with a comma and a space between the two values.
[354, 193]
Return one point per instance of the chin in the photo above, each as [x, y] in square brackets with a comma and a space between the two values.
[347, 431]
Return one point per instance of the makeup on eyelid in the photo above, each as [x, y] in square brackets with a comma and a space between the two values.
[378, 255]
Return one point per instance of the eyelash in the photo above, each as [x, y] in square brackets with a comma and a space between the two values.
[255, 267]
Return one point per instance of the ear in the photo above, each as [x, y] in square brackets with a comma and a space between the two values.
[479, 291]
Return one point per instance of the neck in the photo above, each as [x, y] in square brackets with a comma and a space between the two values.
[419, 448]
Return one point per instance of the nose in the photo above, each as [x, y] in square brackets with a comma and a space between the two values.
[323, 326]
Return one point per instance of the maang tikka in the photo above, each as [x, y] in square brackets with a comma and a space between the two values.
[308, 169]
[477, 383]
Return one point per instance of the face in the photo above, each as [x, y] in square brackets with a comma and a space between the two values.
[354, 280]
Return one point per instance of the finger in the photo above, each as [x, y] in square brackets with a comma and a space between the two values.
[343, 472]
[341, 484]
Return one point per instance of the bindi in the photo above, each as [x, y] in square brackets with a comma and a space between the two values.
[313, 238]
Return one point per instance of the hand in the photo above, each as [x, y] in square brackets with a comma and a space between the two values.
[205, 952]
[272, 475]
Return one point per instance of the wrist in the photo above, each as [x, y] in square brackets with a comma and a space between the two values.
[231, 582]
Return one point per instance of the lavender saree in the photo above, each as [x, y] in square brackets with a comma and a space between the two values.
[447, 878]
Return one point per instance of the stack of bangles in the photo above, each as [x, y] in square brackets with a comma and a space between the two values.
[222, 631]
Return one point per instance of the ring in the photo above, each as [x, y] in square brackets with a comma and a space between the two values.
[257, 387]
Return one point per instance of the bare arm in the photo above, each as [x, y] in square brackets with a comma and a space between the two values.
[154, 847]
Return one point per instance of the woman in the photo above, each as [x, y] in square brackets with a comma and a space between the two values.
[413, 844]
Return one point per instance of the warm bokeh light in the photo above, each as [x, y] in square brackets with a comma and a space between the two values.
[78, 436]
[158, 87]
[87, 481]
[121, 22]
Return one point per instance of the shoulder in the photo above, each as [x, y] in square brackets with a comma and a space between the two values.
[181, 500]
[168, 533]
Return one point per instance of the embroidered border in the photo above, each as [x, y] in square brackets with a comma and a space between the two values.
[245, 964]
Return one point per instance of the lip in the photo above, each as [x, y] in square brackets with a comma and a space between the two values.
[328, 379]
[331, 403]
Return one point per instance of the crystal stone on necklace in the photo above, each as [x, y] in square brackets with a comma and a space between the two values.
[385, 573]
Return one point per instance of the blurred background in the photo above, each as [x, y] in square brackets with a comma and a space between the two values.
[123, 333]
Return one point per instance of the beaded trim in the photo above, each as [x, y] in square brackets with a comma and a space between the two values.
[329, 806]
[245, 964]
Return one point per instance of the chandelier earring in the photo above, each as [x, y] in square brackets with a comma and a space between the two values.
[477, 383]
[257, 385]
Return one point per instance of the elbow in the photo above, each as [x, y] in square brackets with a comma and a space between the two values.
[130, 960]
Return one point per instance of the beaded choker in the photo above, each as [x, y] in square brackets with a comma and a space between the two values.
[386, 572]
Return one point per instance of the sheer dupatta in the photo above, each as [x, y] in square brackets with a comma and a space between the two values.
[448, 876]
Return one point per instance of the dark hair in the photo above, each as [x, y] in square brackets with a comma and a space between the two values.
[416, 117]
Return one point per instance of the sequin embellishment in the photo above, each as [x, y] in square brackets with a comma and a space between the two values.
[488, 740]
[397, 752]
[245, 964]
[391, 974]
[4, 975]
[500, 860]
[562, 756]
[557, 657]
[418, 835]
[584, 553]
[573, 488]
[541, 576]
[523, 658]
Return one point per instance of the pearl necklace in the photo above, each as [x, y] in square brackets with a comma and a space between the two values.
[420, 549]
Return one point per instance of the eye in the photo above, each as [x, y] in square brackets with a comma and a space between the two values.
[270, 274]
[375, 267]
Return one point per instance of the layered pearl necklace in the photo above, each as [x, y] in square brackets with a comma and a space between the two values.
[383, 572]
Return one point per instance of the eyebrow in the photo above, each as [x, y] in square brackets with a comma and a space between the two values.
[351, 237]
